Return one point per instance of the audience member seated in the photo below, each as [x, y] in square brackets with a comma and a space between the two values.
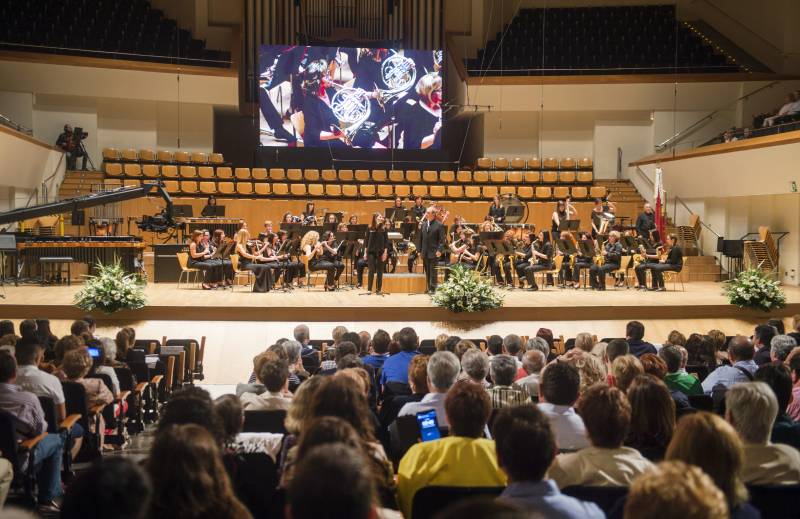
[655, 366]
[615, 348]
[63, 346]
[378, 350]
[274, 375]
[762, 340]
[503, 371]
[105, 364]
[558, 391]
[742, 368]
[462, 459]
[113, 487]
[590, 368]
[624, 369]
[443, 368]
[192, 405]
[691, 495]
[30, 422]
[652, 417]
[417, 381]
[188, 477]
[475, 367]
[709, 442]
[395, 368]
[526, 447]
[790, 106]
[777, 377]
[607, 415]
[634, 335]
[307, 353]
[780, 347]
[512, 344]
[794, 406]
[675, 379]
[751, 407]
[77, 364]
[532, 363]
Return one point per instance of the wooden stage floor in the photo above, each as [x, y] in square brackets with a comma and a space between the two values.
[166, 302]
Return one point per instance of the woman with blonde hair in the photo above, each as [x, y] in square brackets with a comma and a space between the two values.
[624, 369]
[709, 442]
[584, 341]
[249, 259]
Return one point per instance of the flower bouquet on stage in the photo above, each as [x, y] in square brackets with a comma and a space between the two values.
[753, 288]
[111, 290]
[466, 291]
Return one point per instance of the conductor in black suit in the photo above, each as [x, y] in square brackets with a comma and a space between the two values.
[432, 242]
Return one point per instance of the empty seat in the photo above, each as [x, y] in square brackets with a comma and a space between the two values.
[242, 173]
[298, 189]
[430, 176]
[224, 172]
[543, 192]
[151, 171]
[362, 175]
[182, 157]
[567, 163]
[550, 163]
[566, 177]
[514, 177]
[111, 154]
[244, 188]
[346, 175]
[484, 163]
[508, 190]
[226, 188]
[598, 192]
[532, 177]
[413, 175]
[560, 192]
[549, 177]
[497, 177]
[294, 175]
[129, 155]
[329, 175]
[455, 191]
[402, 190]
[501, 163]
[216, 158]
[385, 191]
[205, 172]
[262, 188]
[316, 190]
[436, 191]
[333, 190]
[473, 192]
[280, 189]
[169, 171]
[147, 155]
[199, 157]
[188, 186]
[517, 163]
[164, 156]
[447, 176]
[396, 175]
[534, 163]
[579, 192]
[490, 191]
[525, 192]
[277, 174]
[113, 169]
[366, 190]
[188, 172]
[208, 188]
[585, 163]
[480, 176]
[311, 175]
[350, 190]
[464, 176]
[172, 186]
[379, 175]
[419, 190]
[584, 176]
[132, 170]
[131, 182]
[258, 173]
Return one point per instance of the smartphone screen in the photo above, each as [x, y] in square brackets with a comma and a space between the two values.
[428, 426]
[94, 352]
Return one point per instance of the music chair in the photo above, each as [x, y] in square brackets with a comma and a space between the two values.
[19, 453]
[675, 277]
[77, 403]
[428, 501]
[56, 427]
[624, 262]
[183, 261]
[317, 273]
[774, 501]
[606, 498]
[135, 417]
[557, 262]
[265, 421]
[248, 274]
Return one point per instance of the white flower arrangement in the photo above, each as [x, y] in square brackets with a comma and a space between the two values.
[754, 289]
[466, 291]
[110, 290]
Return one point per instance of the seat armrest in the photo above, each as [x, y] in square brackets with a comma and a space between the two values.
[140, 387]
[97, 408]
[123, 395]
[31, 443]
[156, 379]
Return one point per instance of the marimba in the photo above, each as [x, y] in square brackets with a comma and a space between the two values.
[89, 249]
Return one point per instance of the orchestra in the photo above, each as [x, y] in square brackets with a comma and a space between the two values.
[518, 254]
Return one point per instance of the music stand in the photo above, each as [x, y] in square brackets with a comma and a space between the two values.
[407, 229]
[569, 225]
[8, 245]
[587, 248]
[566, 246]
[182, 211]
[394, 214]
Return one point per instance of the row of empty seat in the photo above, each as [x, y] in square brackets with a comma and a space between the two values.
[113, 169]
[146, 156]
[365, 191]
[535, 163]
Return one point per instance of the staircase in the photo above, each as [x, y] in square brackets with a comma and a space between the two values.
[762, 254]
[77, 183]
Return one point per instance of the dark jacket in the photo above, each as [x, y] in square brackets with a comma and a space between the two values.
[377, 242]
[433, 238]
[644, 224]
[639, 348]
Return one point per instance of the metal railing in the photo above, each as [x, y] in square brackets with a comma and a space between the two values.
[7, 121]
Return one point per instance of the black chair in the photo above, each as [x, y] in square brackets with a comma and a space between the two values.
[135, 398]
[109, 413]
[194, 356]
[264, 421]
[16, 451]
[77, 403]
[54, 427]
[147, 345]
[255, 480]
[428, 501]
[700, 370]
[702, 402]
[143, 373]
[604, 497]
[775, 502]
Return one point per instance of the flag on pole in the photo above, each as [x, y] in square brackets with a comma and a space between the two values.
[660, 203]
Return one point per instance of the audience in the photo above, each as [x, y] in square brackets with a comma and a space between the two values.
[558, 391]
[443, 368]
[606, 413]
[463, 458]
[751, 408]
[701, 352]
[395, 368]
[112, 488]
[624, 369]
[652, 417]
[794, 405]
[525, 447]
[590, 368]
[742, 368]
[634, 334]
[762, 340]
[584, 341]
[780, 347]
[503, 371]
[274, 375]
[475, 366]
[777, 377]
[532, 363]
[76, 365]
[691, 494]
[675, 379]
[378, 350]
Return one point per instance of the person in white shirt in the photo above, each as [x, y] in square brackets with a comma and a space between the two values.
[443, 369]
[274, 374]
[740, 352]
[108, 353]
[532, 362]
[789, 107]
[559, 388]
[607, 415]
[751, 408]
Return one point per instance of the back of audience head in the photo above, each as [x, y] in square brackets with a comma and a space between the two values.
[654, 365]
[331, 481]
[779, 379]
[584, 341]
[345, 348]
[27, 329]
[467, 407]
[599, 350]
[7, 328]
[741, 349]
[502, 369]
[625, 369]
[780, 346]
[363, 346]
[27, 352]
[512, 344]
[337, 334]
[359, 375]
[64, 345]
[77, 363]
[408, 339]
[533, 362]
[189, 479]
[590, 368]
[701, 351]
[475, 364]
[709, 442]
[443, 368]
[191, 407]
[462, 346]
[671, 356]
[606, 413]
[91, 322]
[718, 340]
[380, 342]
[341, 397]
[560, 384]
[110, 488]
[652, 412]
[8, 367]
[440, 341]
[494, 345]
[352, 337]
[451, 343]
[676, 337]
[763, 334]
[273, 373]
[537, 343]
[301, 334]
[634, 330]
[300, 411]
[124, 343]
[351, 360]
[616, 348]
[692, 494]
[327, 430]
[751, 408]
[547, 335]
[293, 349]
[418, 374]
[524, 442]
[231, 416]
[775, 323]
[78, 328]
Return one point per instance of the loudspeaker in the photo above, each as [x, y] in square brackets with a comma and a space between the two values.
[78, 217]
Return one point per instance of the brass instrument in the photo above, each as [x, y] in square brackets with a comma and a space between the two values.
[600, 259]
[640, 257]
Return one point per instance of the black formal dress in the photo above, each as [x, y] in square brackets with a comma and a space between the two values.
[212, 268]
[377, 242]
[540, 264]
[432, 240]
[498, 213]
[330, 263]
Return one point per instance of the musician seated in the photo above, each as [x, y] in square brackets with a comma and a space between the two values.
[523, 259]
[251, 258]
[200, 258]
[462, 250]
[210, 209]
[607, 261]
[668, 261]
[565, 274]
[309, 217]
[497, 211]
[541, 259]
[501, 267]
[281, 260]
[217, 241]
[324, 256]
[581, 261]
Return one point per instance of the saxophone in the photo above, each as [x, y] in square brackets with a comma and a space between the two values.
[640, 257]
[599, 259]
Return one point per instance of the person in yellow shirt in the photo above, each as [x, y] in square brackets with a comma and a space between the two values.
[463, 459]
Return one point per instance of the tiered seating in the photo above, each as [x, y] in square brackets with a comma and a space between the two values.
[162, 157]
[599, 40]
[103, 28]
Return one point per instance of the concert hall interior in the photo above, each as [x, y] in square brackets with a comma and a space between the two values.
[200, 179]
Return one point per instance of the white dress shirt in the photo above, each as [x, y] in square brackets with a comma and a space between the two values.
[568, 427]
[32, 379]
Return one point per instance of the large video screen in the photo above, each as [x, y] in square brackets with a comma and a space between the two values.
[350, 97]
